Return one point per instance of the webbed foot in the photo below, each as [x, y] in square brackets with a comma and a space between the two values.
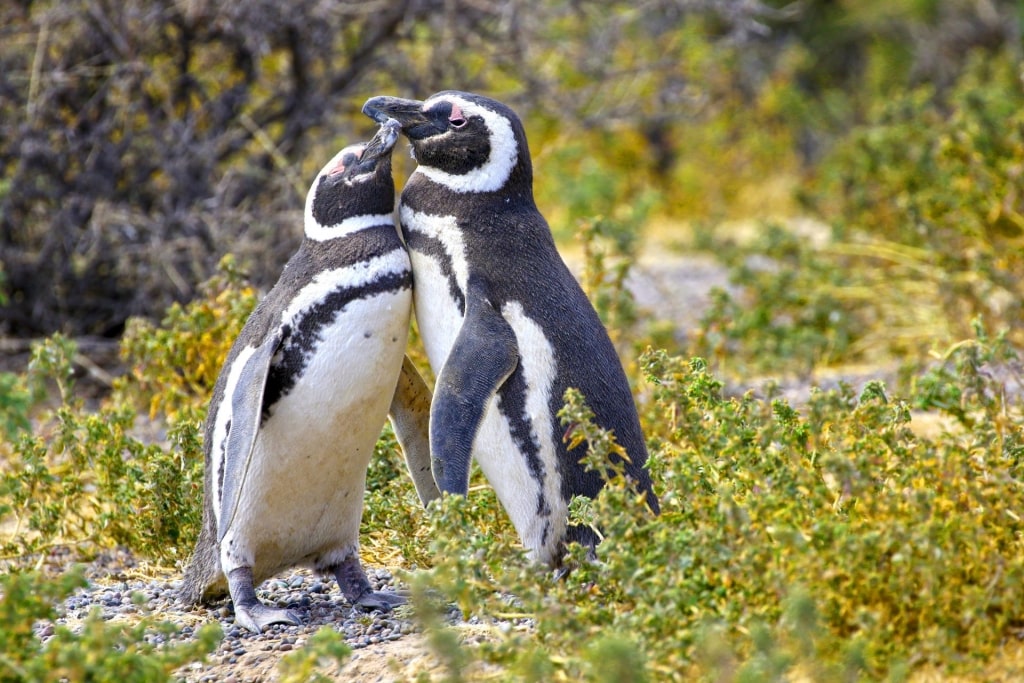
[379, 600]
[258, 616]
[250, 613]
[357, 590]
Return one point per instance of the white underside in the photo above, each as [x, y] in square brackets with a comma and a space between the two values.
[501, 461]
[500, 458]
[301, 501]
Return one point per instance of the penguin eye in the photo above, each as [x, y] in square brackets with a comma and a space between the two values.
[456, 118]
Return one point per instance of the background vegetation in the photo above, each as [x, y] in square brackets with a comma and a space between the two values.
[856, 167]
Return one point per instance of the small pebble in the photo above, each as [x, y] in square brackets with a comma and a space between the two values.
[318, 602]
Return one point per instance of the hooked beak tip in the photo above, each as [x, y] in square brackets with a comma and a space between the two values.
[374, 110]
[382, 108]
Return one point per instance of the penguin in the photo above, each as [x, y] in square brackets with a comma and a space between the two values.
[302, 397]
[505, 325]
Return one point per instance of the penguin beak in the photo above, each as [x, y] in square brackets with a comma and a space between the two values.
[409, 113]
[384, 141]
[379, 147]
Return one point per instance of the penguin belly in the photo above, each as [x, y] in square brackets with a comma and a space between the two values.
[531, 495]
[437, 254]
[438, 315]
[301, 500]
[532, 500]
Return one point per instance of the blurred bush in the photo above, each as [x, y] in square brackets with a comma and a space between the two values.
[139, 144]
[936, 178]
[920, 233]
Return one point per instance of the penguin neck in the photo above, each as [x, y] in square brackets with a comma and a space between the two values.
[358, 246]
[353, 224]
[424, 193]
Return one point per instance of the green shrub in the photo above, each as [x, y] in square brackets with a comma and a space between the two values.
[326, 646]
[392, 530]
[103, 651]
[610, 249]
[829, 541]
[791, 308]
[84, 479]
[924, 232]
[978, 382]
[87, 477]
[926, 192]
[17, 398]
[175, 364]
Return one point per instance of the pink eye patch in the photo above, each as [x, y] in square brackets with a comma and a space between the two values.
[348, 157]
[456, 118]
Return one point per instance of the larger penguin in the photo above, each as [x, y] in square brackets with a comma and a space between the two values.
[505, 325]
[302, 397]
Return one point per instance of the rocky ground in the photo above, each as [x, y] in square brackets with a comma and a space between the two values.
[387, 646]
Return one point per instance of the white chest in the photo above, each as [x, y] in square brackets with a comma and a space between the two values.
[301, 498]
[518, 485]
[441, 273]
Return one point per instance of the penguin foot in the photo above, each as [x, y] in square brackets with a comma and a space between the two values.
[258, 616]
[585, 536]
[357, 589]
[250, 613]
[379, 600]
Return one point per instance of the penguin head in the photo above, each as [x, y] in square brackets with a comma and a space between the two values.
[355, 182]
[465, 142]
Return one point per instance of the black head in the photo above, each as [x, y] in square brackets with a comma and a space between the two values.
[355, 183]
[467, 142]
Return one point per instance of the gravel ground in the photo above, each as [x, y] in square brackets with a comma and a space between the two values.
[243, 656]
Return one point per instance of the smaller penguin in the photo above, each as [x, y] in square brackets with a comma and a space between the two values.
[505, 325]
[303, 395]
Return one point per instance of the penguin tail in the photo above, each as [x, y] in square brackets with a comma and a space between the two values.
[203, 580]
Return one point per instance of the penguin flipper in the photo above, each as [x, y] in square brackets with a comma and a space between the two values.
[484, 354]
[410, 418]
[246, 414]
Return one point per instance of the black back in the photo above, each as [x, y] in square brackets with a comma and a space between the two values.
[510, 248]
